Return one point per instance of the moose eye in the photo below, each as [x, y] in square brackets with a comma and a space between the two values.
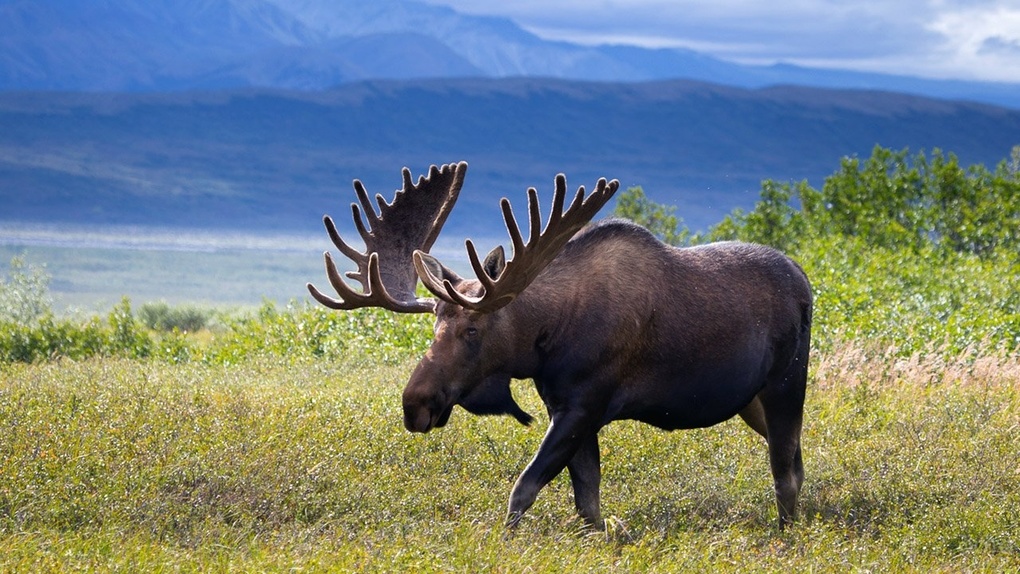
[471, 332]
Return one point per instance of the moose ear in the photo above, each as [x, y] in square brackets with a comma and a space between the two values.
[438, 270]
[495, 262]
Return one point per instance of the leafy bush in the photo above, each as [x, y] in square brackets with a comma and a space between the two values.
[296, 332]
[121, 335]
[908, 302]
[306, 331]
[893, 201]
[162, 317]
[24, 294]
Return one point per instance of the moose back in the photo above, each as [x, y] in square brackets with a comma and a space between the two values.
[609, 323]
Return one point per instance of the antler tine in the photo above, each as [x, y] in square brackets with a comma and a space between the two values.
[346, 293]
[487, 282]
[375, 294]
[334, 236]
[559, 193]
[534, 217]
[370, 214]
[516, 240]
[410, 222]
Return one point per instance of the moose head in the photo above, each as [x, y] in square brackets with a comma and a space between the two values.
[468, 363]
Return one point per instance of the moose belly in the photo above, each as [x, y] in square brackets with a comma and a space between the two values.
[684, 402]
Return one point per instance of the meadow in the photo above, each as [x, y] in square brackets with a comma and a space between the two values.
[125, 465]
[271, 439]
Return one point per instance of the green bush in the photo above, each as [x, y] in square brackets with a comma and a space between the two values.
[162, 317]
[121, 335]
[305, 331]
[24, 293]
[906, 301]
[893, 201]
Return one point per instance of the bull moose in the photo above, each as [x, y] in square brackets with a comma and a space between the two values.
[609, 323]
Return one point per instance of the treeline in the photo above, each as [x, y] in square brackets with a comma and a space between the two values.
[907, 254]
[896, 201]
[891, 200]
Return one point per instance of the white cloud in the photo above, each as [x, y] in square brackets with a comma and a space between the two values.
[981, 40]
[965, 39]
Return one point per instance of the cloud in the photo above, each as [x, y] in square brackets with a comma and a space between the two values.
[1000, 45]
[982, 39]
[969, 39]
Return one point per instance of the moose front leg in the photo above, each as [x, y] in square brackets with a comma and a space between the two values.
[585, 476]
[567, 435]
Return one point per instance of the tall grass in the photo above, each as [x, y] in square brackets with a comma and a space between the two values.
[126, 465]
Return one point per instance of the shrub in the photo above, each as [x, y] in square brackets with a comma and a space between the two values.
[162, 317]
[306, 331]
[894, 201]
[121, 335]
[24, 294]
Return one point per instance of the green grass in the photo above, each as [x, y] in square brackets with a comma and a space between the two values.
[272, 465]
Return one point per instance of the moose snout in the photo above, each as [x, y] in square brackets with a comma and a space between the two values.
[417, 419]
[422, 408]
[426, 400]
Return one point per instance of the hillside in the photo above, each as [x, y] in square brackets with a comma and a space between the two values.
[165, 45]
[261, 159]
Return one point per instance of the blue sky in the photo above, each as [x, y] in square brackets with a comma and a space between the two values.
[950, 39]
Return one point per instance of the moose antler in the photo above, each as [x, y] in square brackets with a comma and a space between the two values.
[528, 259]
[408, 225]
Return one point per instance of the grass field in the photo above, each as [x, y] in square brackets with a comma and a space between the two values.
[274, 465]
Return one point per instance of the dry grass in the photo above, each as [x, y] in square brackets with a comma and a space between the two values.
[853, 363]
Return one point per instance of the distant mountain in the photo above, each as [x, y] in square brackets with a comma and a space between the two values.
[277, 160]
[160, 45]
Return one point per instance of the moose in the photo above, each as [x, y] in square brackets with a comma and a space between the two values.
[609, 322]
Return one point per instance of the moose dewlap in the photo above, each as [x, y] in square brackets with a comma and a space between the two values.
[609, 323]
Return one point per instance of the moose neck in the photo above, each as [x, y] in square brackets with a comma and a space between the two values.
[536, 319]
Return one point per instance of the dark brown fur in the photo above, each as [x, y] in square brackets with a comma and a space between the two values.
[621, 326]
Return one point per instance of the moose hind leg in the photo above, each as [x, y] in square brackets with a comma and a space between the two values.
[782, 401]
[784, 415]
[788, 476]
[585, 476]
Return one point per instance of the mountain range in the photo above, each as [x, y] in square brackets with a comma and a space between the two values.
[256, 114]
[179, 45]
[262, 159]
